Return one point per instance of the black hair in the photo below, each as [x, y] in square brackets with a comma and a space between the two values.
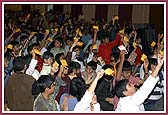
[120, 87]
[115, 55]
[30, 48]
[78, 87]
[79, 47]
[14, 43]
[73, 65]
[60, 39]
[47, 55]
[40, 37]
[27, 58]
[42, 83]
[152, 61]
[57, 57]
[18, 64]
[92, 64]
[127, 66]
[23, 37]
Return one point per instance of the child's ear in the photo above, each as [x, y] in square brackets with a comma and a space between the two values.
[45, 60]
[125, 93]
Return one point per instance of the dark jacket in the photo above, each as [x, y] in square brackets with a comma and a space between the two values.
[18, 92]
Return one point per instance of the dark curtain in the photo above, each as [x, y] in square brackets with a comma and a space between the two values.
[57, 8]
[101, 11]
[26, 8]
[76, 9]
[125, 14]
[156, 16]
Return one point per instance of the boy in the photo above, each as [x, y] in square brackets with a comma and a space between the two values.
[45, 101]
[47, 61]
[132, 99]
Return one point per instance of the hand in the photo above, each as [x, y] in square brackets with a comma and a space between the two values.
[100, 73]
[160, 60]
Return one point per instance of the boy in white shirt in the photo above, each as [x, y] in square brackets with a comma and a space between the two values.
[132, 99]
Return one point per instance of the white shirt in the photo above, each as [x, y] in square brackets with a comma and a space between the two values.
[31, 69]
[134, 102]
[84, 103]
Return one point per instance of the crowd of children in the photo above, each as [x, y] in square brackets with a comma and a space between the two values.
[68, 64]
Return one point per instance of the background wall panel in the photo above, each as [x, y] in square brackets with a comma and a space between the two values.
[140, 14]
[112, 10]
[89, 8]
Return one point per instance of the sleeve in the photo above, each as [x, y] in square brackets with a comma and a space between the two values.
[139, 97]
[100, 51]
[31, 67]
[115, 42]
[84, 103]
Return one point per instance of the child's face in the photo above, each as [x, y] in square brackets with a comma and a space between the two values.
[126, 74]
[77, 50]
[65, 70]
[130, 89]
[49, 61]
[57, 44]
[106, 40]
[16, 48]
[138, 41]
[89, 69]
[153, 67]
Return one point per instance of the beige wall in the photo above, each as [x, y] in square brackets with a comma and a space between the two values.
[89, 11]
[13, 7]
[41, 7]
[112, 10]
[140, 14]
[67, 8]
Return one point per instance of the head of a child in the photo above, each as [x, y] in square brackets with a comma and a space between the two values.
[74, 68]
[138, 40]
[77, 87]
[16, 46]
[23, 39]
[46, 83]
[91, 66]
[77, 50]
[69, 41]
[48, 58]
[59, 57]
[19, 64]
[124, 88]
[126, 70]
[152, 63]
[58, 42]
[114, 58]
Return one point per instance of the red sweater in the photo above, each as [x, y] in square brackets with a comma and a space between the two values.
[105, 50]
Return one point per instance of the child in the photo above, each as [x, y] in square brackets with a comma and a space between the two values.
[48, 60]
[45, 101]
[89, 101]
[132, 99]
[90, 73]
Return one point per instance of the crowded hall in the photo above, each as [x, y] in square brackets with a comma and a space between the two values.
[91, 57]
